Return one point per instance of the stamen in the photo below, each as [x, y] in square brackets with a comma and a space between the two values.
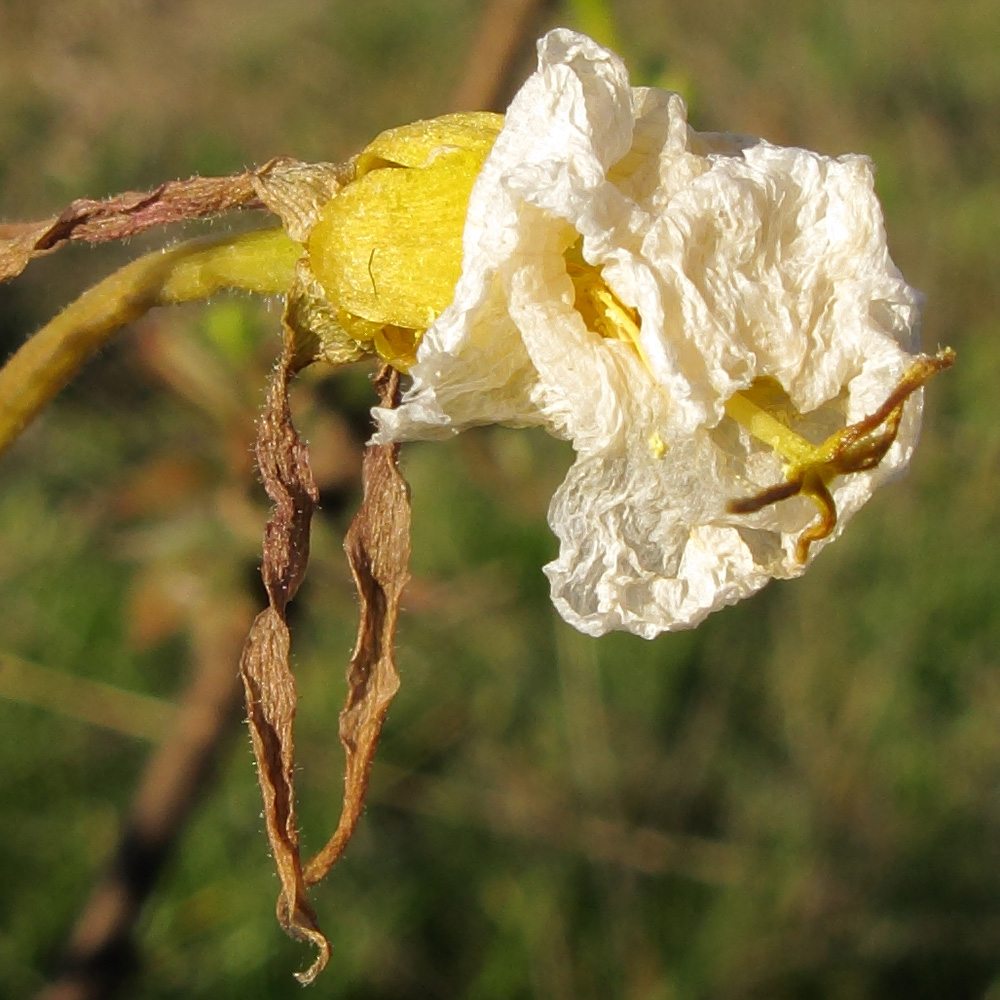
[766, 427]
[857, 448]
[602, 311]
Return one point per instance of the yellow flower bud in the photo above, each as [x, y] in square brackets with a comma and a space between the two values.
[388, 248]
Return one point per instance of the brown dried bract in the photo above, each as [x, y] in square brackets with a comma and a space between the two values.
[296, 191]
[378, 548]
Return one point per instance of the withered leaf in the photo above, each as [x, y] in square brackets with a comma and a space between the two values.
[378, 548]
[124, 215]
[265, 665]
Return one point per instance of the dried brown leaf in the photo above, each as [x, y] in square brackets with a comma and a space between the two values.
[378, 549]
[124, 215]
[265, 666]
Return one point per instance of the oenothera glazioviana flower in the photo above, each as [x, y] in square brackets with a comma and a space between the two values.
[713, 322]
[708, 318]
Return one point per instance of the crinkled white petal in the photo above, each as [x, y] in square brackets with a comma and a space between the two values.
[742, 259]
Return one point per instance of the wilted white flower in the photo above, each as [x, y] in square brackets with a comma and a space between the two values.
[689, 310]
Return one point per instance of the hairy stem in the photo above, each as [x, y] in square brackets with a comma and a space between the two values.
[262, 262]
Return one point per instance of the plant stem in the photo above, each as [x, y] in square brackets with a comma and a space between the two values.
[122, 711]
[261, 262]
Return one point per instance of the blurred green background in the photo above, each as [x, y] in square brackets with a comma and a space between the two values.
[801, 799]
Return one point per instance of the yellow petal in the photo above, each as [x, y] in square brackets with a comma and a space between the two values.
[388, 247]
[416, 144]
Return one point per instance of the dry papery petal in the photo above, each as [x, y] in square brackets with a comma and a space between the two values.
[737, 261]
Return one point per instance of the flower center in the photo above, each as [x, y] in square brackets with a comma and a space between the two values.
[809, 469]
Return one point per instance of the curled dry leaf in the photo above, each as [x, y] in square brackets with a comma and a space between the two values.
[265, 667]
[291, 189]
[378, 548]
[124, 215]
